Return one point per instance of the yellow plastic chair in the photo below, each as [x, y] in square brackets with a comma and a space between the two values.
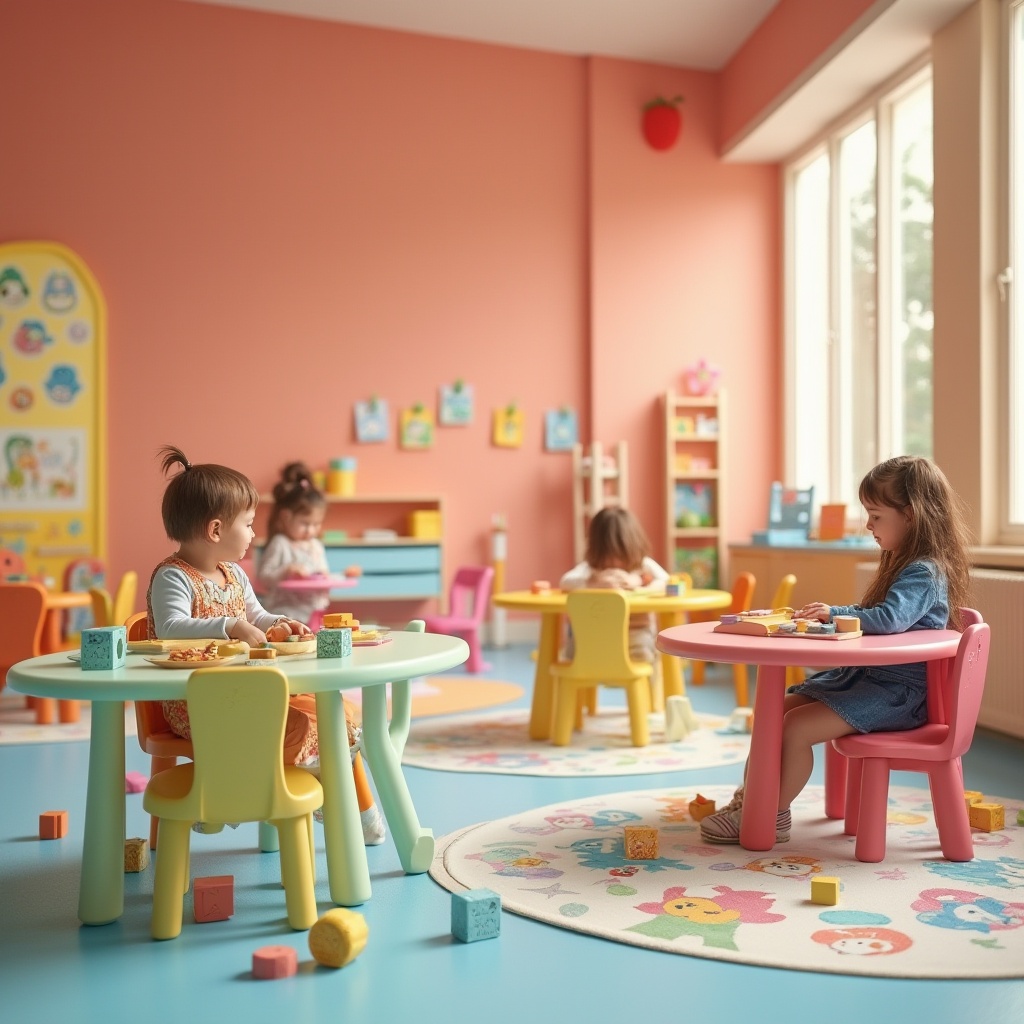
[238, 724]
[742, 592]
[109, 611]
[784, 599]
[600, 627]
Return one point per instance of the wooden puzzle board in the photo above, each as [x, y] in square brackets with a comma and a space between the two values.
[822, 636]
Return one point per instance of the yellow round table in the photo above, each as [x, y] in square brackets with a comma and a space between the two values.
[550, 605]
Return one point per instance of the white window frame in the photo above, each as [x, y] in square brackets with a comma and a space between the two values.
[1011, 262]
[878, 107]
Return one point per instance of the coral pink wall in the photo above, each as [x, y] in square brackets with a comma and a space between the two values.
[287, 216]
[684, 266]
[790, 40]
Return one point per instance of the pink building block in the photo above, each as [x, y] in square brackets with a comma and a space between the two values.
[274, 962]
[213, 897]
[135, 782]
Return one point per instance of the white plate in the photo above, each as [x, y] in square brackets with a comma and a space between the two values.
[286, 647]
[74, 656]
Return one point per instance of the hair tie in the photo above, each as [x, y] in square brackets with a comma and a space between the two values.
[304, 484]
[187, 464]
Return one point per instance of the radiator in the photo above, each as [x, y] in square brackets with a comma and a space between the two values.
[999, 595]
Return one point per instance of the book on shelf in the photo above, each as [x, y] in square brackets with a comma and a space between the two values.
[694, 505]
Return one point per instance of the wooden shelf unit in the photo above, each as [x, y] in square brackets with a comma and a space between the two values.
[695, 477]
[597, 482]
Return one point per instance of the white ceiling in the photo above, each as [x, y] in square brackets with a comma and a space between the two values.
[699, 34]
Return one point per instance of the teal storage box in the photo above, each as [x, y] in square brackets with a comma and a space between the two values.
[104, 647]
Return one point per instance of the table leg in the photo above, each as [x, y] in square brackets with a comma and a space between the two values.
[401, 715]
[101, 895]
[672, 682]
[347, 870]
[761, 798]
[542, 706]
[415, 844]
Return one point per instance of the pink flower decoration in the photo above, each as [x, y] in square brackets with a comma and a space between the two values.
[701, 378]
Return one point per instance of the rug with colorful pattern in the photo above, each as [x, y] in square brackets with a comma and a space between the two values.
[915, 915]
[498, 742]
[18, 723]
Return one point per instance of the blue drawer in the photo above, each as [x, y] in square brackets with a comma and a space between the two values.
[397, 585]
[386, 558]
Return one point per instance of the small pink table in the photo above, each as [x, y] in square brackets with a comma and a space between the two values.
[315, 584]
[772, 655]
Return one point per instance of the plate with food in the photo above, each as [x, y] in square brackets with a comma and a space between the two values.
[297, 645]
[208, 656]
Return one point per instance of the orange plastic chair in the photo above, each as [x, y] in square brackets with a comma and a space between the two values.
[23, 612]
[468, 599]
[600, 628]
[742, 593]
[155, 735]
[238, 723]
[935, 748]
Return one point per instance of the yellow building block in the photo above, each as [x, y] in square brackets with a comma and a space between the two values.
[425, 524]
[825, 890]
[987, 817]
[641, 842]
[972, 796]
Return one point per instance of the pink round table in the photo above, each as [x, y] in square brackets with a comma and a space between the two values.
[308, 584]
[772, 655]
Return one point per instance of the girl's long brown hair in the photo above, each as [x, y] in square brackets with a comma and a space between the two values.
[616, 536]
[937, 529]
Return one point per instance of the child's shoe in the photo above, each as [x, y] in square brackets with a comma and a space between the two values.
[724, 826]
[374, 831]
[209, 828]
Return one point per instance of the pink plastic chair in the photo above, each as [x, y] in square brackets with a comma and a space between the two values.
[835, 763]
[935, 748]
[467, 608]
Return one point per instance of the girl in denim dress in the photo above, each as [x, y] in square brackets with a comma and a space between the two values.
[922, 583]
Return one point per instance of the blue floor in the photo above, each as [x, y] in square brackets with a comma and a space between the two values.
[54, 970]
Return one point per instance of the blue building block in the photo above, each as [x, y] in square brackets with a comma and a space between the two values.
[334, 643]
[476, 914]
[104, 647]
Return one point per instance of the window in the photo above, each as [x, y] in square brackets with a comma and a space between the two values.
[1012, 455]
[859, 295]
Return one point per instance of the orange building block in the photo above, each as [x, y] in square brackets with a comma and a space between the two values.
[53, 824]
[972, 796]
[540, 587]
[213, 898]
[274, 962]
[701, 807]
[340, 620]
[987, 817]
[641, 842]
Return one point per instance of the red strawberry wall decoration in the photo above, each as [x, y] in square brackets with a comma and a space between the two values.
[662, 122]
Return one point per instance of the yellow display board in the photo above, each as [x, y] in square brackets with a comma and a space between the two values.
[52, 425]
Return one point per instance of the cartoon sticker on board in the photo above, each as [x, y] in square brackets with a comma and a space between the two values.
[13, 290]
[62, 385]
[31, 338]
[59, 292]
[22, 399]
[78, 332]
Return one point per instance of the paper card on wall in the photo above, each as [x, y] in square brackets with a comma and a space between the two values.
[43, 469]
[417, 428]
[560, 430]
[456, 405]
[372, 421]
[508, 427]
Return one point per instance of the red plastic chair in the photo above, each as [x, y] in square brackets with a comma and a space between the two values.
[467, 608]
[742, 593]
[935, 748]
[23, 613]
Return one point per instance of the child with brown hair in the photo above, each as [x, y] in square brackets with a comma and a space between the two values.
[294, 549]
[618, 558]
[201, 591]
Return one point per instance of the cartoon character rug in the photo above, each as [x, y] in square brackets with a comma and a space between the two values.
[498, 742]
[915, 915]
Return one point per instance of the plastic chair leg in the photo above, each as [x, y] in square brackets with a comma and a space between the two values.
[638, 697]
[855, 768]
[69, 711]
[158, 764]
[171, 866]
[697, 674]
[874, 801]
[951, 817]
[741, 682]
[46, 710]
[565, 713]
[300, 899]
[475, 662]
